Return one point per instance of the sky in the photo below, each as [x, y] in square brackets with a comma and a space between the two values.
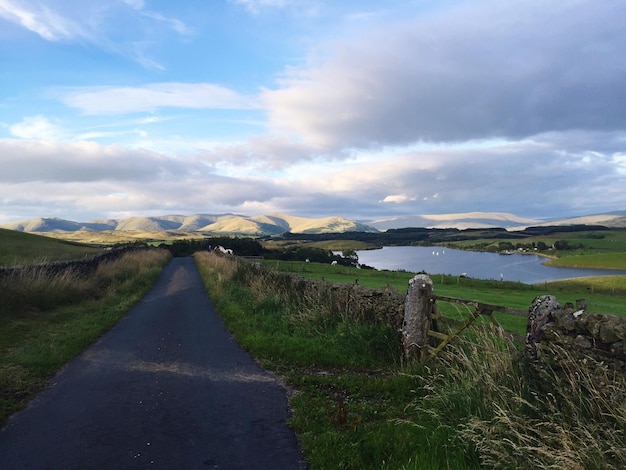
[355, 108]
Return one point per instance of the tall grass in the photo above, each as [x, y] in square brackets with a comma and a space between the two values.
[47, 319]
[36, 289]
[568, 413]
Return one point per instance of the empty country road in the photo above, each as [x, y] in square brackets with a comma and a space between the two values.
[166, 388]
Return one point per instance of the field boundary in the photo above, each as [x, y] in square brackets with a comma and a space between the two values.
[84, 266]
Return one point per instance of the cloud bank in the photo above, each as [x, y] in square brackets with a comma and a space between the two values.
[509, 70]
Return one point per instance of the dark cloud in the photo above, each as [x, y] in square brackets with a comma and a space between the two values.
[28, 161]
[510, 69]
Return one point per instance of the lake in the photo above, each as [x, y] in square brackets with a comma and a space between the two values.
[528, 269]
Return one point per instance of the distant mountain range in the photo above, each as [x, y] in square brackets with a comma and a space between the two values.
[227, 224]
[277, 224]
[494, 219]
[460, 221]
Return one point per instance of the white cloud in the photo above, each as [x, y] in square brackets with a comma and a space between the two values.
[57, 179]
[529, 178]
[123, 100]
[40, 19]
[174, 23]
[255, 5]
[96, 22]
[398, 198]
[526, 177]
[620, 162]
[136, 4]
[36, 127]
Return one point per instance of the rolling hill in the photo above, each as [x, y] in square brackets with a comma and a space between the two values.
[229, 224]
[25, 248]
[612, 220]
[277, 224]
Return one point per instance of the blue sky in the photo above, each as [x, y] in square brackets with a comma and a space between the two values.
[361, 109]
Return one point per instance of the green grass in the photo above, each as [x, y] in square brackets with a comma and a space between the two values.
[612, 285]
[35, 343]
[599, 249]
[603, 294]
[24, 248]
[613, 260]
[332, 245]
[358, 403]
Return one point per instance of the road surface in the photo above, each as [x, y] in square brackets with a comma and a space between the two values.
[166, 388]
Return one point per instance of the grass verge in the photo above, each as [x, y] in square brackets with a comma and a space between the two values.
[49, 326]
[358, 405]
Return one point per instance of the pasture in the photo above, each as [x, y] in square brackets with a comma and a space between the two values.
[604, 295]
[18, 248]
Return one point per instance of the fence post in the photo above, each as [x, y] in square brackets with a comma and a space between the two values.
[417, 316]
[540, 313]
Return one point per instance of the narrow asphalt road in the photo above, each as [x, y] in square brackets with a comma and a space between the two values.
[166, 388]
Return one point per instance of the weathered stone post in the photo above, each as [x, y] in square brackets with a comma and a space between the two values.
[417, 316]
[540, 313]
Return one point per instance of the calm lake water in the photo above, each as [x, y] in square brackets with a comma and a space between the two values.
[528, 269]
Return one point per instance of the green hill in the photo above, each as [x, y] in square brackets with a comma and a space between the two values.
[26, 248]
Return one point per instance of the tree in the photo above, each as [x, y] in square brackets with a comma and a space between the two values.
[350, 256]
[505, 246]
[562, 245]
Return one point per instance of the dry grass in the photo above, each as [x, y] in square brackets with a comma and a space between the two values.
[37, 289]
[570, 415]
[220, 268]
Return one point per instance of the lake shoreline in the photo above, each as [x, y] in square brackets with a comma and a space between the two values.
[510, 266]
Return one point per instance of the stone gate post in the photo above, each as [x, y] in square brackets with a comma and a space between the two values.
[540, 313]
[417, 316]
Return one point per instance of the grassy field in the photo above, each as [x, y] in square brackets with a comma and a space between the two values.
[359, 404]
[609, 260]
[112, 237]
[24, 248]
[595, 249]
[604, 295]
[332, 245]
[49, 321]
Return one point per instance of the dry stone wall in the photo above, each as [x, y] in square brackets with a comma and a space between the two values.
[383, 306]
[85, 266]
[574, 329]
[550, 324]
